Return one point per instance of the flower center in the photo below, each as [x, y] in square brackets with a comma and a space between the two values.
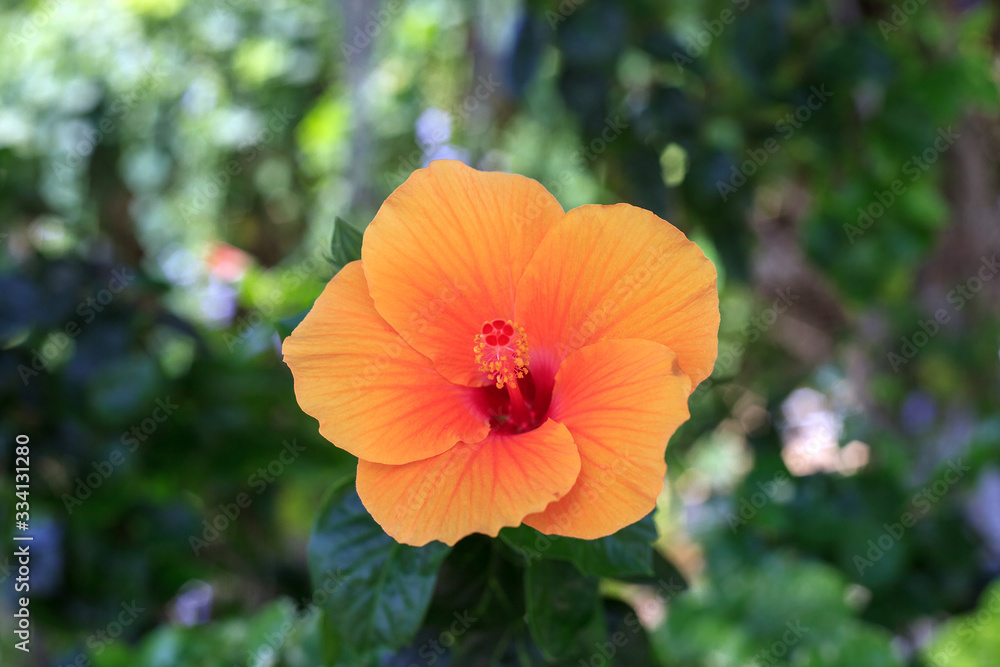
[502, 353]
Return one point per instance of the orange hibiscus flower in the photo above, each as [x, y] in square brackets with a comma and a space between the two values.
[492, 360]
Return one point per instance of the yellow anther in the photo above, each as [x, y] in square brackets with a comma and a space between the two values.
[501, 349]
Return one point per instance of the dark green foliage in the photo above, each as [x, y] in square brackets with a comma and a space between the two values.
[799, 143]
[345, 246]
[561, 603]
[627, 552]
[381, 588]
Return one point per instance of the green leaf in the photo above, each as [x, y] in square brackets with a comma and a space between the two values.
[561, 602]
[626, 634]
[480, 576]
[666, 578]
[345, 246]
[330, 640]
[286, 325]
[382, 588]
[625, 553]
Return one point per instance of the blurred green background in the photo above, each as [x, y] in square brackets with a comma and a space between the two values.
[170, 174]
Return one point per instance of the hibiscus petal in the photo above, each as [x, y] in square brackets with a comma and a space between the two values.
[445, 252]
[606, 272]
[373, 394]
[471, 488]
[621, 400]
